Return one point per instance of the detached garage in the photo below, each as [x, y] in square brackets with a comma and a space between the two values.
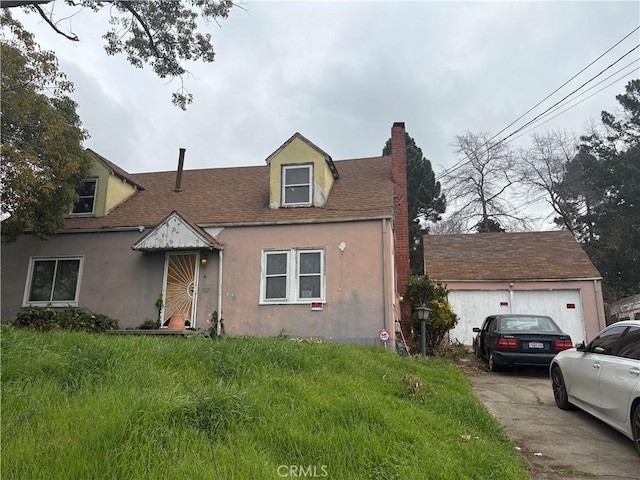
[544, 273]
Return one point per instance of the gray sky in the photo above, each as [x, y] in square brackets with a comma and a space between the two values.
[342, 73]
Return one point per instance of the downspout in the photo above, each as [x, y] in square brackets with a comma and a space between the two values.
[385, 290]
[219, 321]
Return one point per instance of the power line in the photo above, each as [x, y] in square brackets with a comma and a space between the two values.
[565, 83]
[461, 163]
[583, 100]
[560, 101]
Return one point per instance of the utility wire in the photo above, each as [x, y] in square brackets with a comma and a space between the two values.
[560, 101]
[463, 162]
[583, 100]
[565, 83]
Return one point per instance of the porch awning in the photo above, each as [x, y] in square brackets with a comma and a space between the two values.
[176, 233]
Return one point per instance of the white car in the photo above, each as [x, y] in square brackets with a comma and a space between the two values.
[603, 378]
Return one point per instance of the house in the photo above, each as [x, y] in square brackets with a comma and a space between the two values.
[627, 308]
[544, 273]
[303, 246]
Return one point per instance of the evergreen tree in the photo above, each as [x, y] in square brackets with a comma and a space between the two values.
[610, 162]
[426, 202]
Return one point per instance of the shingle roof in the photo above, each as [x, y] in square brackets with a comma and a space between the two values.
[240, 196]
[506, 256]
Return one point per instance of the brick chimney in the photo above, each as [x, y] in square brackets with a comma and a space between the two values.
[401, 223]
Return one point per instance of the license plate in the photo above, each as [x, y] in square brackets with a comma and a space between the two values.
[536, 345]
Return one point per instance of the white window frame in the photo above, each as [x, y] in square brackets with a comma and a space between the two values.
[309, 184]
[293, 277]
[95, 197]
[54, 303]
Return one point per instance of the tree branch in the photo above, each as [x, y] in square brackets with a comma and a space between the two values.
[43, 14]
[17, 3]
[145, 27]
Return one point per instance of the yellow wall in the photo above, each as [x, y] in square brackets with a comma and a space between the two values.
[112, 190]
[299, 152]
[117, 191]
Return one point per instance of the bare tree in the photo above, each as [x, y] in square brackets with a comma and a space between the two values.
[553, 168]
[544, 168]
[446, 226]
[481, 188]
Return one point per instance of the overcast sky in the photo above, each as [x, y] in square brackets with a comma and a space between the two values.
[342, 73]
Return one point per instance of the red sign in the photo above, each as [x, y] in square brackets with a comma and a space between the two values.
[383, 335]
[571, 305]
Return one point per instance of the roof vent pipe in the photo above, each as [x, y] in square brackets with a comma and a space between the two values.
[179, 173]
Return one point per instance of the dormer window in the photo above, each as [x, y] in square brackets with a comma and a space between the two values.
[87, 198]
[296, 185]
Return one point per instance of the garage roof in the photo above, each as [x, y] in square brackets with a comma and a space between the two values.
[507, 256]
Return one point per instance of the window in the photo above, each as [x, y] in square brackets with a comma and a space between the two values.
[292, 276]
[276, 276]
[630, 344]
[296, 185]
[606, 340]
[53, 281]
[87, 194]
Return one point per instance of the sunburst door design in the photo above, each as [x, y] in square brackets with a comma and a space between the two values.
[180, 286]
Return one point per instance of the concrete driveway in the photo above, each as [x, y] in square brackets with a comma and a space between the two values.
[558, 444]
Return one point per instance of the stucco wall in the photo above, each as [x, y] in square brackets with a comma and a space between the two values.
[125, 284]
[354, 309]
[116, 281]
[299, 152]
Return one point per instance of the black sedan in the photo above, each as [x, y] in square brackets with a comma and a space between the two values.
[519, 339]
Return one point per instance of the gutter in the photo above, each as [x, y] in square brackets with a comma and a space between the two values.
[521, 280]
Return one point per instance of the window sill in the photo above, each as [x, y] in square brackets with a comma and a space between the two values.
[286, 302]
[51, 304]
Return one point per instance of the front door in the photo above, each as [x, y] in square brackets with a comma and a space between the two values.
[180, 287]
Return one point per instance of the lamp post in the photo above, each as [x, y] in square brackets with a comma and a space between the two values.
[423, 313]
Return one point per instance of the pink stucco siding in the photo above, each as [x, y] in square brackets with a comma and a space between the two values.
[358, 283]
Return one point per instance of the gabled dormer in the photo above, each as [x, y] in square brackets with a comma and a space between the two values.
[106, 187]
[301, 174]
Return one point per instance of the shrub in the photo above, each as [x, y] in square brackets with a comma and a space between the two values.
[73, 319]
[148, 324]
[452, 351]
[421, 290]
[36, 318]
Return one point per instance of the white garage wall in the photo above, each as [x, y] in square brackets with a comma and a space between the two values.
[472, 306]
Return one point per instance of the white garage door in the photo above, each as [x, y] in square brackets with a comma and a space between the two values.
[472, 306]
[564, 306]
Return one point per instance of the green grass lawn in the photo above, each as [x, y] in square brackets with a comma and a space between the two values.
[81, 406]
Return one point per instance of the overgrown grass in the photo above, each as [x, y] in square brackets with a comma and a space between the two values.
[81, 406]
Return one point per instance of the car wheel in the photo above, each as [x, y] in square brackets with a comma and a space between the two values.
[493, 366]
[635, 427]
[560, 389]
